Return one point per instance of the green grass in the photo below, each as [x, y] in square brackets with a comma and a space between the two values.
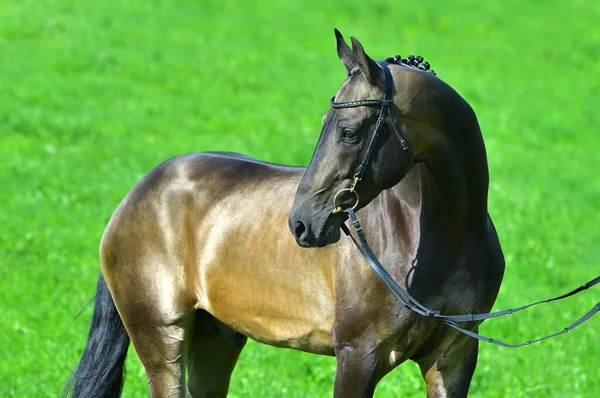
[93, 94]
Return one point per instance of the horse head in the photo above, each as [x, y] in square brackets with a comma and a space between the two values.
[359, 137]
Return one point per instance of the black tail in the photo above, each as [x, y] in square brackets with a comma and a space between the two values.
[101, 371]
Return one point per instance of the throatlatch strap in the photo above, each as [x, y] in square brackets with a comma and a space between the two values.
[411, 303]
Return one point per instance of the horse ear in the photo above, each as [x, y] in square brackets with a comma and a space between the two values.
[344, 51]
[367, 66]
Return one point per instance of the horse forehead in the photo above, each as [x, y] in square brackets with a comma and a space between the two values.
[355, 88]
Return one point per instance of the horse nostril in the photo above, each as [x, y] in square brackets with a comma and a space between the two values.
[300, 229]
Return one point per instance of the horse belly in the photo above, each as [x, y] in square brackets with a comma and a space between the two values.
[265, 286]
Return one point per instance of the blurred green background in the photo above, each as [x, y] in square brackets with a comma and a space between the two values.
[93, 94]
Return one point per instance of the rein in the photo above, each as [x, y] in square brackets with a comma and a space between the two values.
[412, 304]
[402, 294]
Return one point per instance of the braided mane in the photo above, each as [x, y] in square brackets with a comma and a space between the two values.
[412, 61]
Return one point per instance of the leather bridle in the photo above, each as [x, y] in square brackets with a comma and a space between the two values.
[385, 112]
[402, 294]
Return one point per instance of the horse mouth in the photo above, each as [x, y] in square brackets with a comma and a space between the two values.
[319, 229]
[330, 230]
[329, 234]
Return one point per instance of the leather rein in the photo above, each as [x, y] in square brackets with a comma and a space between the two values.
[402, 294]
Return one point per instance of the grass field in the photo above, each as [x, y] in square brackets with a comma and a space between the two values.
[93, 94]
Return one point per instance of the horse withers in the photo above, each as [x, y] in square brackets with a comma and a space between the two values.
[198, 256]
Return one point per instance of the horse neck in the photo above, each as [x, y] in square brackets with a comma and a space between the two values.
[450, 188]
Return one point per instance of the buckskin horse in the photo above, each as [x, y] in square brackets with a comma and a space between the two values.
[198, 256]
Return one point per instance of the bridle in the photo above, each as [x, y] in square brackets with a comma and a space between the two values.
[402, 294]
[385, 112]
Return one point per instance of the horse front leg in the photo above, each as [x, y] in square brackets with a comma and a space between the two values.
[357, 371]
[364, 333]
[449, 373]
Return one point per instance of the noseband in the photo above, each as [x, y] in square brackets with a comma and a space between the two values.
[384, 112]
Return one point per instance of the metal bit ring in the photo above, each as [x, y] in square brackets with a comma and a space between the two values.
[338, 209]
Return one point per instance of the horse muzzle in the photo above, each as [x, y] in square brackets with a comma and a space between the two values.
[315, 230]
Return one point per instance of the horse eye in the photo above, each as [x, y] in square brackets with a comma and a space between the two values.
[349, 134]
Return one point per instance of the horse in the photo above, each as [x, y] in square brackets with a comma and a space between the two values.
[211, 248]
